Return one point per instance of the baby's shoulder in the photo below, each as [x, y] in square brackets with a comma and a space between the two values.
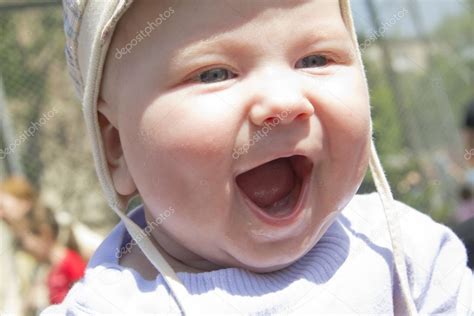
[436, 258]
[108, 288]
[366, 211]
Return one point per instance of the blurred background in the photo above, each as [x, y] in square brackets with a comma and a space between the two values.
[419, 58]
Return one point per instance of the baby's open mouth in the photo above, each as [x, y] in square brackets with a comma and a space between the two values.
[275, 188]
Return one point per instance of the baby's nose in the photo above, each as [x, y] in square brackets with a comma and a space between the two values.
[280, 99]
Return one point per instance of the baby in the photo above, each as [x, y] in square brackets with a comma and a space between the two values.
[245, 128]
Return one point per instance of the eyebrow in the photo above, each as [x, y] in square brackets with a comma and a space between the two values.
[212, 45]
[322, 37]
[218, 43]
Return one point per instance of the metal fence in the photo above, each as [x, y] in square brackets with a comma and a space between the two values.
[42, 134]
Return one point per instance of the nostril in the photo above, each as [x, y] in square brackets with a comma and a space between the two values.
[302, 116]
[270, 120]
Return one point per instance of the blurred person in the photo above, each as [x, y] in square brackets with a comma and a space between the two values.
[36, 231]
[465, 210]
[464, 215]
[465, 231]
[17, 268]
[468, 130]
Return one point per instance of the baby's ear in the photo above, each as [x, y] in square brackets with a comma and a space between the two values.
[121, 177]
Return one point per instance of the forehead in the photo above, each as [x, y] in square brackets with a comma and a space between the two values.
[204, 20]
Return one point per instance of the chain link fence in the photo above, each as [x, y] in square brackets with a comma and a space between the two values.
[43, 135]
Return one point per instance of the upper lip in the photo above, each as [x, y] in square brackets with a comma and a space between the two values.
[281, 154]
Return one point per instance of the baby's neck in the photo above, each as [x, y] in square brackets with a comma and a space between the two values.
[179, 258]
[136, 260]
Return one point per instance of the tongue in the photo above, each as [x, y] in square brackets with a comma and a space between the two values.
[268, 183]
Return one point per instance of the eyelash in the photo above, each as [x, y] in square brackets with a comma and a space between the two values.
[327, 58]
[197, 77]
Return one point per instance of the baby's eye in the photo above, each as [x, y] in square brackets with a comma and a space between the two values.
[215, 75]
[312, 61]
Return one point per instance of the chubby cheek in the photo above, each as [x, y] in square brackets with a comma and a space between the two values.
[180, 155]
[344, 112]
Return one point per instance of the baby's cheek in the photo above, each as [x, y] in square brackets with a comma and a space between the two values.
[342, 106]
[349, 140]
[352, 127]
[347, 107]
[192, 137]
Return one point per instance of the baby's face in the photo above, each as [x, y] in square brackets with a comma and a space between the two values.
[250, 119]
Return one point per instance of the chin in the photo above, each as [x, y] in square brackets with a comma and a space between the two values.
[266, 258]
[270, 265]
[271, 268]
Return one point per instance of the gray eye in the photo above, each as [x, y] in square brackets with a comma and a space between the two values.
[215, 75]
[312, 61]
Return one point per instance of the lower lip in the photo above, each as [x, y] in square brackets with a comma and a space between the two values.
[286, 220]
